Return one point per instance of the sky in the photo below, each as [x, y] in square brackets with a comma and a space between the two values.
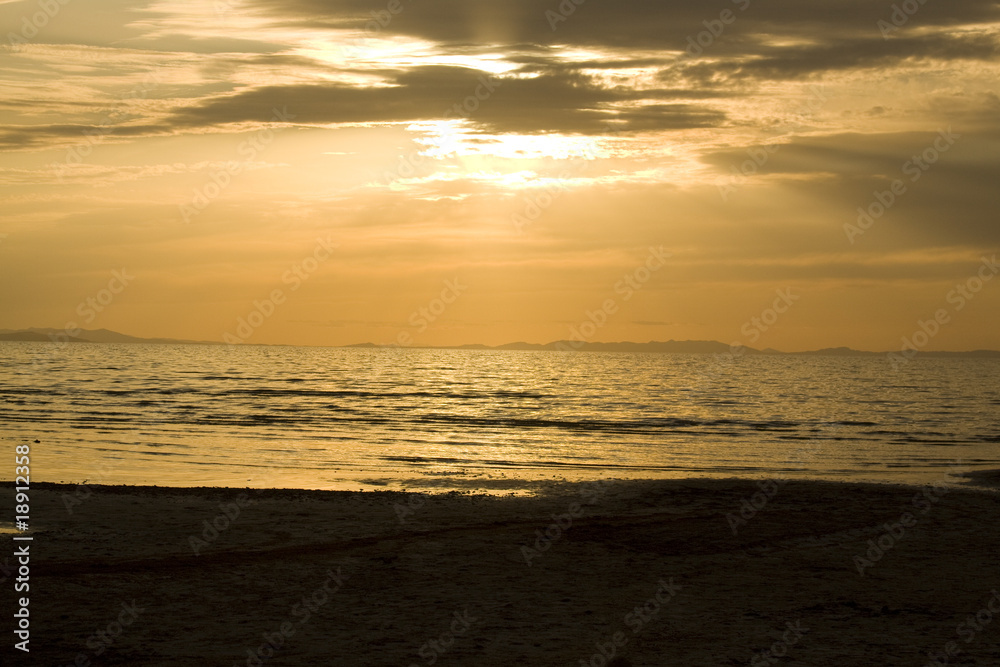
[781, 173]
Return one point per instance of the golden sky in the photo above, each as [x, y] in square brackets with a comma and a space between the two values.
[328, 172]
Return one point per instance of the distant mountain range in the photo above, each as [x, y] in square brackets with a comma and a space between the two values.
[691, 346]
[682, 346]
[36, 334]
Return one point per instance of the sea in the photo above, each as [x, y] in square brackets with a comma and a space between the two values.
[483, 420]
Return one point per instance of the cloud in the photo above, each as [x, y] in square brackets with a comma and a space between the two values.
[852, 53]
[557, 85]
[568, 102]
[31, 136]
[628, 24]
[945, 199]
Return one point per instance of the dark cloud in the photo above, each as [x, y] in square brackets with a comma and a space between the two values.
[557, 102]
[31, 136]
[801, 61]
[765, 40]
[942, 198]
[848, 154]
[622, 23]
[845, 153]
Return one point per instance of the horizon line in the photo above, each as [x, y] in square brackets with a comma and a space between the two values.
[57, 335]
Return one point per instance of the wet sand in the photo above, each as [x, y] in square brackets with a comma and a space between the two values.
[695, 572]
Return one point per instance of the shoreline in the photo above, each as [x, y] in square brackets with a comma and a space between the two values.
[957, 474]
[695, 571]
[960, 477]
[973, 480]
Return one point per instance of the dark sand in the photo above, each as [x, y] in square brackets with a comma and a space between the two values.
[455, 573]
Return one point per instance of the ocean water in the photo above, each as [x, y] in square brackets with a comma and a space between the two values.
[444, 419]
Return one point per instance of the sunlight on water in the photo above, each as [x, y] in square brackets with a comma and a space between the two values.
[349, 418]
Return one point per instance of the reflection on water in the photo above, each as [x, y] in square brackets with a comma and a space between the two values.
[328, 417]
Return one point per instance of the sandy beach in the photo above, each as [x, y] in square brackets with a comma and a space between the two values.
[696, 572]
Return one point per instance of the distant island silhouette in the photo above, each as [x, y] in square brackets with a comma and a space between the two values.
[41, 335]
